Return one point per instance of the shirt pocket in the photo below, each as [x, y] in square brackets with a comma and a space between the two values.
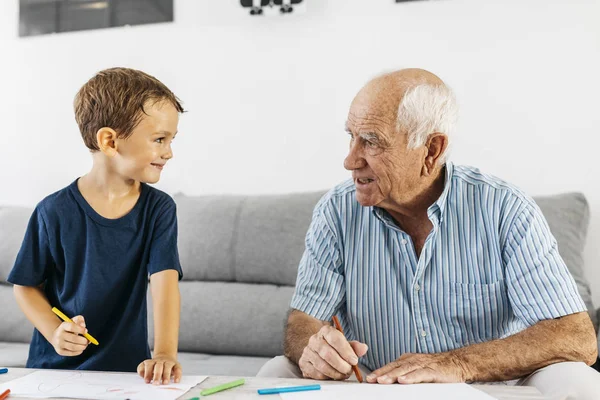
[478, 312]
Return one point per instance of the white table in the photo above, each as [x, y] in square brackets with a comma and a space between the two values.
[248, 390]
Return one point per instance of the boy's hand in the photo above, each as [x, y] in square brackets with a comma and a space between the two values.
[160, 369]
[66, 340]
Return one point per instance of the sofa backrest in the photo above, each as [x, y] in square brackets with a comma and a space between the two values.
[14, 327]
[256, 239]
[240, 256]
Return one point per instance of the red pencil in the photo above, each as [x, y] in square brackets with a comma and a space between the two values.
[5, 394]
[337, 325]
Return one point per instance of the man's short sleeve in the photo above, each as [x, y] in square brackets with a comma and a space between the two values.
[539, 284]
[34, 259]
[320, 286]
[163, 253]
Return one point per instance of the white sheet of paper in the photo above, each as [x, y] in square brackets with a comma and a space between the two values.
[364, 391]
[96, 385]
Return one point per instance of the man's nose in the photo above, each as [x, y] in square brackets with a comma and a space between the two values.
[354, 159]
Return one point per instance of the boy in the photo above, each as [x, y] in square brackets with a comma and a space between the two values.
[90, 247]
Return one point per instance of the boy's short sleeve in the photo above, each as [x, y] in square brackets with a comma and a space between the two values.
[163, 252]
[34, 259]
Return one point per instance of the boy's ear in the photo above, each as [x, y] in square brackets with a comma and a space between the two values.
[107, 141]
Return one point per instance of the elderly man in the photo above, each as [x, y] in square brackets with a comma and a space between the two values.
[439, 273]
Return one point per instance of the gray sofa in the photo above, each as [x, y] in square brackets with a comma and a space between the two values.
[240, 256]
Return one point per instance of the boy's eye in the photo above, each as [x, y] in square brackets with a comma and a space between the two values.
[160, 140]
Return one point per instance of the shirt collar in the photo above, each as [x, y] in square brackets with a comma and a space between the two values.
[435, 212]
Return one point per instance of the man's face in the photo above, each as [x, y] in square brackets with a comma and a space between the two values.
[143, 155]
[384, 170]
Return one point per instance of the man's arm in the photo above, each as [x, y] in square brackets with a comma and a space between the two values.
[167, 306]
[320, 350]
[569, 338]
[300, 327]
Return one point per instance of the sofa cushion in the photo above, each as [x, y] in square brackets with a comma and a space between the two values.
[206, 364]
[13, 222]
[13, 354]
[258, 239]
[206, 238]
[270, 239]
[14, 326]
[231, 318]
[568, 217]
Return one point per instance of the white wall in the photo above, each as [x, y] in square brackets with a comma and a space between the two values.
[268, 97]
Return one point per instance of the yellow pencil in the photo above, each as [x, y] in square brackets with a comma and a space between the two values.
[67, 319]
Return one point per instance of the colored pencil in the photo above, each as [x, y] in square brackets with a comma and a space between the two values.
[336, 322]
[67, 319]
[289, 389]
[222, 387]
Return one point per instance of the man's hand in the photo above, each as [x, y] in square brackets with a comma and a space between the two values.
[66, 340]
[420, 368]
[329, 355]
[160, 369]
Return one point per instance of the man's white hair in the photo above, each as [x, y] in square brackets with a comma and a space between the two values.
[427, 109]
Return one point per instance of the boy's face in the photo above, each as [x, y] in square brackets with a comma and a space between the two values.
[143, 155]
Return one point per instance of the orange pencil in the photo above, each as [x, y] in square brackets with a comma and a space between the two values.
[336, 322]
[5, 394]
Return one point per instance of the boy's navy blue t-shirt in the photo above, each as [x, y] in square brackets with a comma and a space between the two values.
[98, 268]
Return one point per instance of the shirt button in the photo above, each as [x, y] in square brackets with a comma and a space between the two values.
[417, 287]
[404, 241]
[423, 333]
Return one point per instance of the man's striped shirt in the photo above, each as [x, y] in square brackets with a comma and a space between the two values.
[489, 269]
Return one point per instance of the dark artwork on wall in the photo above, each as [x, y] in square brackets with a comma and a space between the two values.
[39, 17]
[259, 7]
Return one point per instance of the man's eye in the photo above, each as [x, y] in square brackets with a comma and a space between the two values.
[371, 144]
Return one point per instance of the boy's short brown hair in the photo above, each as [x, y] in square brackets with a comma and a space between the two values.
[115, 98]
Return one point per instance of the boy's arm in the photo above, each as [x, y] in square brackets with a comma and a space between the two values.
[167, 305]
[64, 336]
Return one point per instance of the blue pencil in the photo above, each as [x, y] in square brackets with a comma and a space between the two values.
[289, 389]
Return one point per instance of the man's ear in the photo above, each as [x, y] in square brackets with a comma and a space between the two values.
[436, 146]
[106, 139]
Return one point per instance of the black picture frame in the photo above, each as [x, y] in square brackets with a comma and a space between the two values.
[40, 17]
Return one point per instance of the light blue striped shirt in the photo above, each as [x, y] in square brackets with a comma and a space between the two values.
[489, 269]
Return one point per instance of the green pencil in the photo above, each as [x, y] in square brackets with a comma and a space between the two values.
[222, 387]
